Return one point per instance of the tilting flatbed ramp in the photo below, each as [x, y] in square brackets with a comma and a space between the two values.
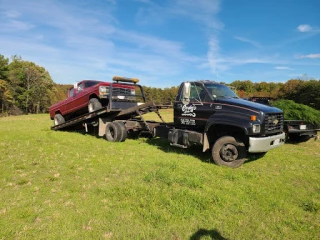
[113, 114]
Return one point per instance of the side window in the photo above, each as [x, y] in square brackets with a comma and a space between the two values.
[71, 92]
[197, 93]
[80, 87]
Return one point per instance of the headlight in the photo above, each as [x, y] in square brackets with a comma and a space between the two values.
[103, 90]
[256, 128]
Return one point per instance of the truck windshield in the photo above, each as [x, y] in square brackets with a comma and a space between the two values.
[90, 83]
[220, 91]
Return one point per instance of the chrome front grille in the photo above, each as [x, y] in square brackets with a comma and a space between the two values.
[121, 91]
[273, 122]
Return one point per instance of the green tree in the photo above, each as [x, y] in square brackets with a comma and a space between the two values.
[31, 85]
[246, 86]
[309, 94]
[5, 94]
[290, 89]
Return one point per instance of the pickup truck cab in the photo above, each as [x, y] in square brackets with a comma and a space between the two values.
[91, 95]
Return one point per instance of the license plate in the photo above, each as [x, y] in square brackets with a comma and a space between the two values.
[303, 127]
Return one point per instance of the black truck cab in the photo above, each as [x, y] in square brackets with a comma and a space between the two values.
[230, 126]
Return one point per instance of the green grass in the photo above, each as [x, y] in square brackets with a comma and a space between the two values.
[66, 185]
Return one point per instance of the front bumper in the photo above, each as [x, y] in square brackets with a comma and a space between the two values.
[264, 144]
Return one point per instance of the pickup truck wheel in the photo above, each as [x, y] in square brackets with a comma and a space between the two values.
[227, 151]
[94, 104]
[123, 131]
[58, 119]
[113, 132]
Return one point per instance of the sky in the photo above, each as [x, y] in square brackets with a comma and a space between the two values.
[165, 42]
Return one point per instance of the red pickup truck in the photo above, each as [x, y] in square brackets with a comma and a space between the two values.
[91, 95]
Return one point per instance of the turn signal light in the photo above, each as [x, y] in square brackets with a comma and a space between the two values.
[253, 118]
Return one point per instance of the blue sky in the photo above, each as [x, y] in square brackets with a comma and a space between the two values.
[165, 42]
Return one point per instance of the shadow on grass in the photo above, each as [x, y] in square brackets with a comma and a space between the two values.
[213, 234]
[195, 151]
[164, 145]
[254, 157]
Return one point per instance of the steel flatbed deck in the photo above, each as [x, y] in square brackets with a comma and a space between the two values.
[110, 115]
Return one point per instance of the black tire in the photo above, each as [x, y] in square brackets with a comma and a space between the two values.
[113, 132]
[94, 104]
[123, 131]
[58, 119]
[227, 151]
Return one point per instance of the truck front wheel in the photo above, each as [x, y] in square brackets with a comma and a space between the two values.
[227, 151]
[94, 104]
[58, 119]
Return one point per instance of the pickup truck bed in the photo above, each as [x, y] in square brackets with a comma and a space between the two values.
[300, 131]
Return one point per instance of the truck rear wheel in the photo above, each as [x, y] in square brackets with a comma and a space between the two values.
[227, 151]
[94, 104]
[123, 131]
[58, 119]
[113, 132]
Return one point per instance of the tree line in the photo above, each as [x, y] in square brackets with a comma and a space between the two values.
[26, 87]
[304, 90]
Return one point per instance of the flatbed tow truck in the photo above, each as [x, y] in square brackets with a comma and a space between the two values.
[205, 113]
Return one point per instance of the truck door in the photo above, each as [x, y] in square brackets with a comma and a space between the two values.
[80, 99]
[193, 106]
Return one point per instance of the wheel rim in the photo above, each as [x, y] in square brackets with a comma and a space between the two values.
[90, 107]
[56, 122]
[229, 153]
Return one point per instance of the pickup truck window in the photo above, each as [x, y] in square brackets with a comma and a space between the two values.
[90, 84]
[71, 92]
[80, 87]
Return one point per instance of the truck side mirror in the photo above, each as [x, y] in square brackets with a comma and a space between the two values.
[186, 93]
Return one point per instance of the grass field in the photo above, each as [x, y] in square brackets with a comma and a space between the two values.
[66, 185]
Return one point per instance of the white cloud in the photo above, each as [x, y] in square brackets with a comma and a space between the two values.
[77, 43]
[283, 68]
[304, 28]
[214, 57]
[202, 6]
[315, 55]
[203, 11]
[11, 14]
[246, 40]
[14, 26]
